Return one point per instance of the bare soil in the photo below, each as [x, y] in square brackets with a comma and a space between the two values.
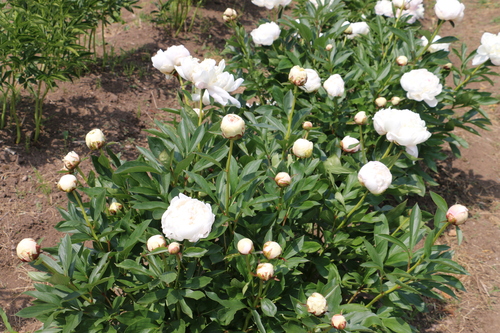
[125, 97]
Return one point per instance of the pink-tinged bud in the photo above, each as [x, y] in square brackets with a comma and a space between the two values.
[360, 118]
[265, 271]
[329, 47]
[174, 248]
[28, 250]
[380, 102]
[67, 183]
[316, 304]
[297, 76]
[271, 250]
[339, 322]
[457, 214]
[283, 179]
[307, 125]
[95, 139]
[232, 127]
[115, 207]
[302, 148]
[395, 100]
[229, 15]
[71, 160]
[245, 246]
[155, 242]
[402, 61]
[349, 144]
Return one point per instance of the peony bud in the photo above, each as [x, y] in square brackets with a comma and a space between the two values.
[334, 86]
[197, 111]
[297, 76]
[448, 66]
[95, 139]
[316, 304]
[375, 176]
[349, 144]
[457, 214]
[302, 148]
[360, 118]
[399, 3]
[271, 250]
[380, 102]
[402, 60]
[232, 127]
[329, 47]
[265, 271]
[28, 250]
[229, 15]
[348, 30]
[115, 207]
[283, 179]
[395, 100]
[339, 322]
[67, 183]
[307, 125]
[155, 242]
[174, 248]
[245, 246]
[449, 10]
[71, 160]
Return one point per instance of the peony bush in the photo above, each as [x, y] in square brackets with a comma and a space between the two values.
[278, 198]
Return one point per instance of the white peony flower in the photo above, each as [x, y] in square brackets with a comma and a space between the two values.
[155, 242]
[229, 15]
[270, 4]
[165, 61]
[313, 82]
[316, 304]
[339, 322]
[349, 144]
[489, 49]
[115, 207]
[271, 250]
[400, 8]
[421, 85]
[302, 148]
[375, 176]
[232, 127]
[449, 10]
[297, 76]
[283, 179]
[67, 183]
[245, 246]
[71, 160]
[28, 250]
[187, 218]
[434, 47]
[266, 34]
[457, 214]
[414, 9]
[361, 118]
[95, 139]
[384, 7]
[403, 127]
[265, 271]
[356, 29]
[334, 85]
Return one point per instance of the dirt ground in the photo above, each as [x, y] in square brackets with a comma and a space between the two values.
[124, 98]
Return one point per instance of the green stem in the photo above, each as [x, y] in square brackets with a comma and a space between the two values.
[82, 174]
[228, 185]
[353, 210]
[468, 77]
[91, 227]
[362, 144]
[388, 150]
[434, 34]
[290, 119]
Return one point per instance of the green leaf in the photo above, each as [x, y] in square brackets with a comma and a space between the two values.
[439, 201]
[379, 261]
[36, 310]
[135, 166]
[311, 246]
[415, 220]
[268, 307]
[258, 321]
[194, 252]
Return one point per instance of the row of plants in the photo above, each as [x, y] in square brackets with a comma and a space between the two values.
[283, 207]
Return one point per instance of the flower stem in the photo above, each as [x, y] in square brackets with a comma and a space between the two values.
[228, 166]
[468, 77]
[388, 150]
[362, 143]
[89, 225]
[353, 210]
[290, 119]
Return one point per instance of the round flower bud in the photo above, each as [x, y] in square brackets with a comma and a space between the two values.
[395, 100]
[232, 127]
[307, 125]
[448, 66]
[339, 322]
[457, 214]
[155, 242]
[329, 47]
[271, 250]
[375, 176]
[360, 118]
[174, 248]
[245, 246]
[265, 271]
[402, 60]
[399, 3]
[302, 148]
[229, 15]
[28, 250]
[115, 207]
[349, 144]
[283, 179]
[297, 76]
[334, 86]
[71, 160]
[95, 139]
[380, 102]
[316, 304]
[67, 183]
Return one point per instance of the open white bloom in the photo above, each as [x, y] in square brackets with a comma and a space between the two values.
[165, 61]
[356, 29]
[95, 139]
[384, 7]
[302, 148]
[266, 34]
[155, 242]
[403, 127]
[349, 144]
[270, 4]
[434, 47]
[316, 304]
[71, 160]
[375, 176]
[313, 82]
[334, 85]
[187, 218]
[449, 10]
[211, 77]
[28, 250]
[421, 85]
[412, 8]
[489, 49]
[67, 183]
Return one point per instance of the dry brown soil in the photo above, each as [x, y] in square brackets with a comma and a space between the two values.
[124, 98]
